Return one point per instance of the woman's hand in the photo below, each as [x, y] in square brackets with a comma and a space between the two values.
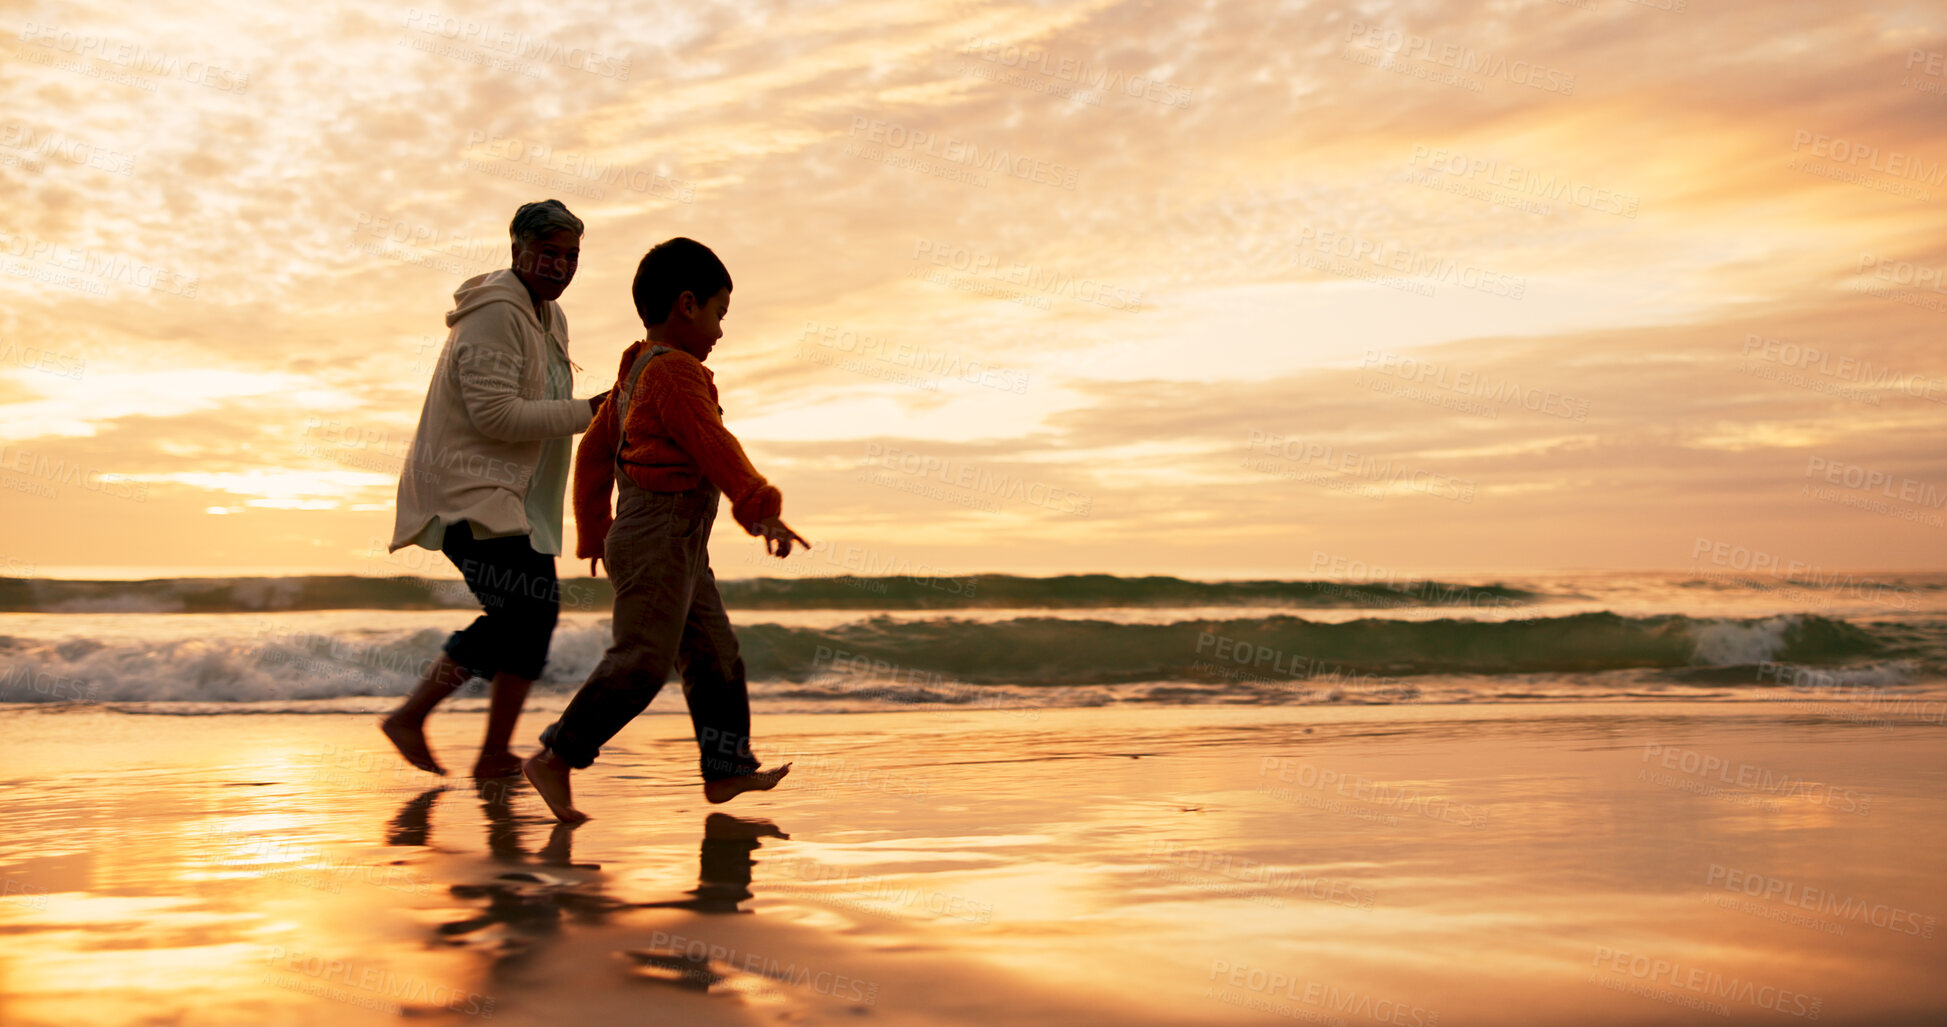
[595, 403]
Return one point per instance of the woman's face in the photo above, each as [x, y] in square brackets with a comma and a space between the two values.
[546, 265]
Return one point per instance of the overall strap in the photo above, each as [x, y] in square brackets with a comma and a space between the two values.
[626, 388]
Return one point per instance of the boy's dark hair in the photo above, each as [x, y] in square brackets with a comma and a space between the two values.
[671, 269]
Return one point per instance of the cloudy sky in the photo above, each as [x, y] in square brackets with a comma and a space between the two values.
[1138, 287]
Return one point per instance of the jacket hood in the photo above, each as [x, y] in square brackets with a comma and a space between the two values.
[501, 286]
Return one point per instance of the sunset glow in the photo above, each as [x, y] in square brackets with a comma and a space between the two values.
[1083, 287]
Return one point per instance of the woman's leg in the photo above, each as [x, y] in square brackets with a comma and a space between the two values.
[406, 726]
[521, 601]
[503, 711]
[529, 595]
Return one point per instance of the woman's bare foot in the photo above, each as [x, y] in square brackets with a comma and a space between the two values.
[409, 737]
[549, 776]
[496, 764]
[728, 788]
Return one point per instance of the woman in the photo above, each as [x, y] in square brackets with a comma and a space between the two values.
[486, 475]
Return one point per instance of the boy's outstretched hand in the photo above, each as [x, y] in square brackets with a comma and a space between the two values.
[778, 537]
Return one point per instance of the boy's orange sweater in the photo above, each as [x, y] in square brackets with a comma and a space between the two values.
[676, 439]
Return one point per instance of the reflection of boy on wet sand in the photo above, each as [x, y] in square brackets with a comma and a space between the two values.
[723, 880]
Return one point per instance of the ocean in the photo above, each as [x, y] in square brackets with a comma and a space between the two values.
[1868, 645]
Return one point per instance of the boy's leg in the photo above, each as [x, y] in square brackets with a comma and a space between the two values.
[719, 698]
[652, 578]
[653, 573]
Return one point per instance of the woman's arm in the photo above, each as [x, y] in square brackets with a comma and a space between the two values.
[487, 358]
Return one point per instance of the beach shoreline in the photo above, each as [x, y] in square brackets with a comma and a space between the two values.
[1517, 863]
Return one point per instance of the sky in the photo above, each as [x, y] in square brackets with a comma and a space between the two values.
[1214, 290]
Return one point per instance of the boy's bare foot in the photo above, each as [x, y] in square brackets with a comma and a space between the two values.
[496, 764]
[728, 788]
[549, 776]
[409, 737]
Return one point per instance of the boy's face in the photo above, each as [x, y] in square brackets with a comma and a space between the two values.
[698, 326]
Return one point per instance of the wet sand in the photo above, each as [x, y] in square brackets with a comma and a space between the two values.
[1426, 866]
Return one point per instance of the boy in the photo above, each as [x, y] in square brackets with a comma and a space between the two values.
[660, 439]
